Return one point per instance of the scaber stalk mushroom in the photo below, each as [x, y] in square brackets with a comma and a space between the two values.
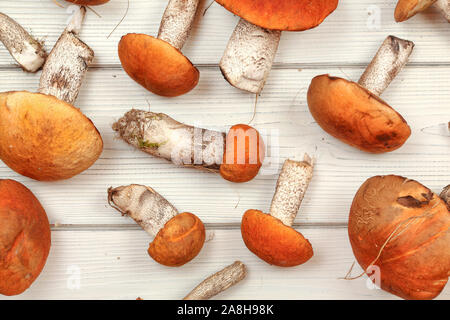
[25, 238]
[408, 8]
[353, 112]
[218, 282]
[42, 135]
[237, 157]
[271, 236]
[179, 237]
[27, 51]
[157, 64]
[251, 49]
[403, 228]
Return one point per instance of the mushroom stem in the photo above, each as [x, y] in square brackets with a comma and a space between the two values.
[291, 186]
[66, 66]
[249, 56]
[147, 207]
[27, 51]
[218, 282]
[387, 63]
[444, 6]
[177, 21]
[445, 195]
[161, 136]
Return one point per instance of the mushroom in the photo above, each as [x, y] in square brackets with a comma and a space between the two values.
[218, 282]
[250, 52]
[88, 2]
[27, 51]
[408, 8]
[271, 236]
[25, 238]
[403, 228]
[161, 136]
[353, 112]
[42, 135]
[179, 237]
[157, 64]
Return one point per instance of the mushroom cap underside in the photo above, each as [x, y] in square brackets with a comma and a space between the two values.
[408, 8]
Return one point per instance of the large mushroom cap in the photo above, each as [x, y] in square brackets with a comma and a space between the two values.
[44, 138]
[179, 241]
[414, 225]
[156, 65]
[285, 15]
[88, 2]
[407, 8]
[24, 238]
[355, 116]
[274, 242]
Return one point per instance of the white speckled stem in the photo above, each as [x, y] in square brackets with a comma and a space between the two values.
[445, 195]
[27, 51]
[218, 282]
[444, 6]
[387, 63]
[248, 58]
[291, 187]
[177, 21]
[66, 66]
[147, 207]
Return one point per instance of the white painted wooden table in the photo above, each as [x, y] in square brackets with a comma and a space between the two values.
[108, 252]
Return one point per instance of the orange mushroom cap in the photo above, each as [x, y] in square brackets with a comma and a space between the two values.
[24, 238]
[284, 15]
[355, 116]
[238, 166]
[156, 65]
[407, 8]
[88, 2]
[179, 241]
[44, 138]
[274, 242]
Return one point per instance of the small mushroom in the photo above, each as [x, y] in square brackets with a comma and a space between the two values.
[218, 282]
[353, 112]
[238, 157]
[179, 237]
[270, 236]
[403, 228]
[42, 135]
[251, 49]
[88, 2]
[408, 8]
[25, 238]
[27, 51]
[157, 64]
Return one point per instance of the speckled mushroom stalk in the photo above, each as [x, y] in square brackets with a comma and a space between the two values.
[445, 195]
[218, 282]
[27, 51]
[408, 8]
[179, 237]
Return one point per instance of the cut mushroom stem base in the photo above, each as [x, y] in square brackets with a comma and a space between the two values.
[444, 6]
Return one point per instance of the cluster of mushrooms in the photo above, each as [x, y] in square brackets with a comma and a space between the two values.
[394, 223]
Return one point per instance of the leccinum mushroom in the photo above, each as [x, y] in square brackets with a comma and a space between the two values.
[157, 63]
[42, 136]
[161, 136]
[353, 112]
[408, 8]
[179, 237]
[270, 236]
[27, 51]
[251, 49]
[218, 282]
[402, 228]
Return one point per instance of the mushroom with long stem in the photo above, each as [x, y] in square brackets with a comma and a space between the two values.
[353, 112]
[408, 8]
[271, 236]
[42, 135]
[157, 63]
[250, 52]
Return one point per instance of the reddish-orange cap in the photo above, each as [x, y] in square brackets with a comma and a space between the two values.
[408, 8]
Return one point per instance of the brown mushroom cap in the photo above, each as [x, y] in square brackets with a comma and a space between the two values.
[274, 242]
[415, 263]
[179, 241]
[407, 8]
[156, 65]
[88, 2]
[355, 116]
[284, 15]
[44, 138]
[24, 237]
